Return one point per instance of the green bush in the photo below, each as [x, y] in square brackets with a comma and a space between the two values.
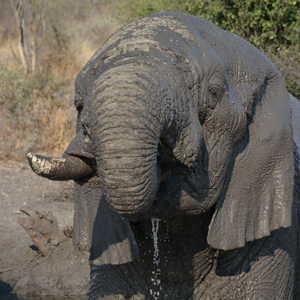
[273, 26]
[262, 22]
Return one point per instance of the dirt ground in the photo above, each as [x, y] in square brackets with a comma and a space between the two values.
[23, 269]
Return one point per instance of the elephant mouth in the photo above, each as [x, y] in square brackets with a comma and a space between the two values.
[164, 203]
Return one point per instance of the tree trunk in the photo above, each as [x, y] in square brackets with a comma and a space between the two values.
[19, 15]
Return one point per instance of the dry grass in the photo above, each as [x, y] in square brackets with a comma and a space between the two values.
[36, 113]
[36, 110]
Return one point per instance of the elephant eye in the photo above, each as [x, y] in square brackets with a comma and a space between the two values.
[79, 107]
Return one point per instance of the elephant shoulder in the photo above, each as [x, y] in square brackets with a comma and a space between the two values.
[295, 106]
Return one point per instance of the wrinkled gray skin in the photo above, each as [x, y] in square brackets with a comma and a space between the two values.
[182, 121]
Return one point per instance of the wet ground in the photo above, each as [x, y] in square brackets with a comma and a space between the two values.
[65, 270]
[79, 297]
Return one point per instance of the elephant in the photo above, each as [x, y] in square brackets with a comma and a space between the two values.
[187, 151]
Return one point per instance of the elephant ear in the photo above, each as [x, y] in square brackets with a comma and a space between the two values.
[259, 191]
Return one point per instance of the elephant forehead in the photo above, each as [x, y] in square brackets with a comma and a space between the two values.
[150, 30]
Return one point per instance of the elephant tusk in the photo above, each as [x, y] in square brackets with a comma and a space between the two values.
[66, 167]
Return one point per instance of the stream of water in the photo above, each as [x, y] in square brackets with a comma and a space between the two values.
[155, 280]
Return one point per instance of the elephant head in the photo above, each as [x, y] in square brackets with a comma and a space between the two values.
[179, 117]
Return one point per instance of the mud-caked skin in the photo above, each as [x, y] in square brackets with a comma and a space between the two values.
[181, 121]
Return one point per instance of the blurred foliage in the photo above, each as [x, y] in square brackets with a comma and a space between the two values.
[130, 10]
[287, 62]
[19, 95]
[273, 26]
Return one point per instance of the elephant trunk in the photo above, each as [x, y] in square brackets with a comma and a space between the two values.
[130, 181]
[127, 133]
[128, 168]
[63, 168]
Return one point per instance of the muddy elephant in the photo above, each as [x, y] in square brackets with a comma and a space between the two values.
[189, 141]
